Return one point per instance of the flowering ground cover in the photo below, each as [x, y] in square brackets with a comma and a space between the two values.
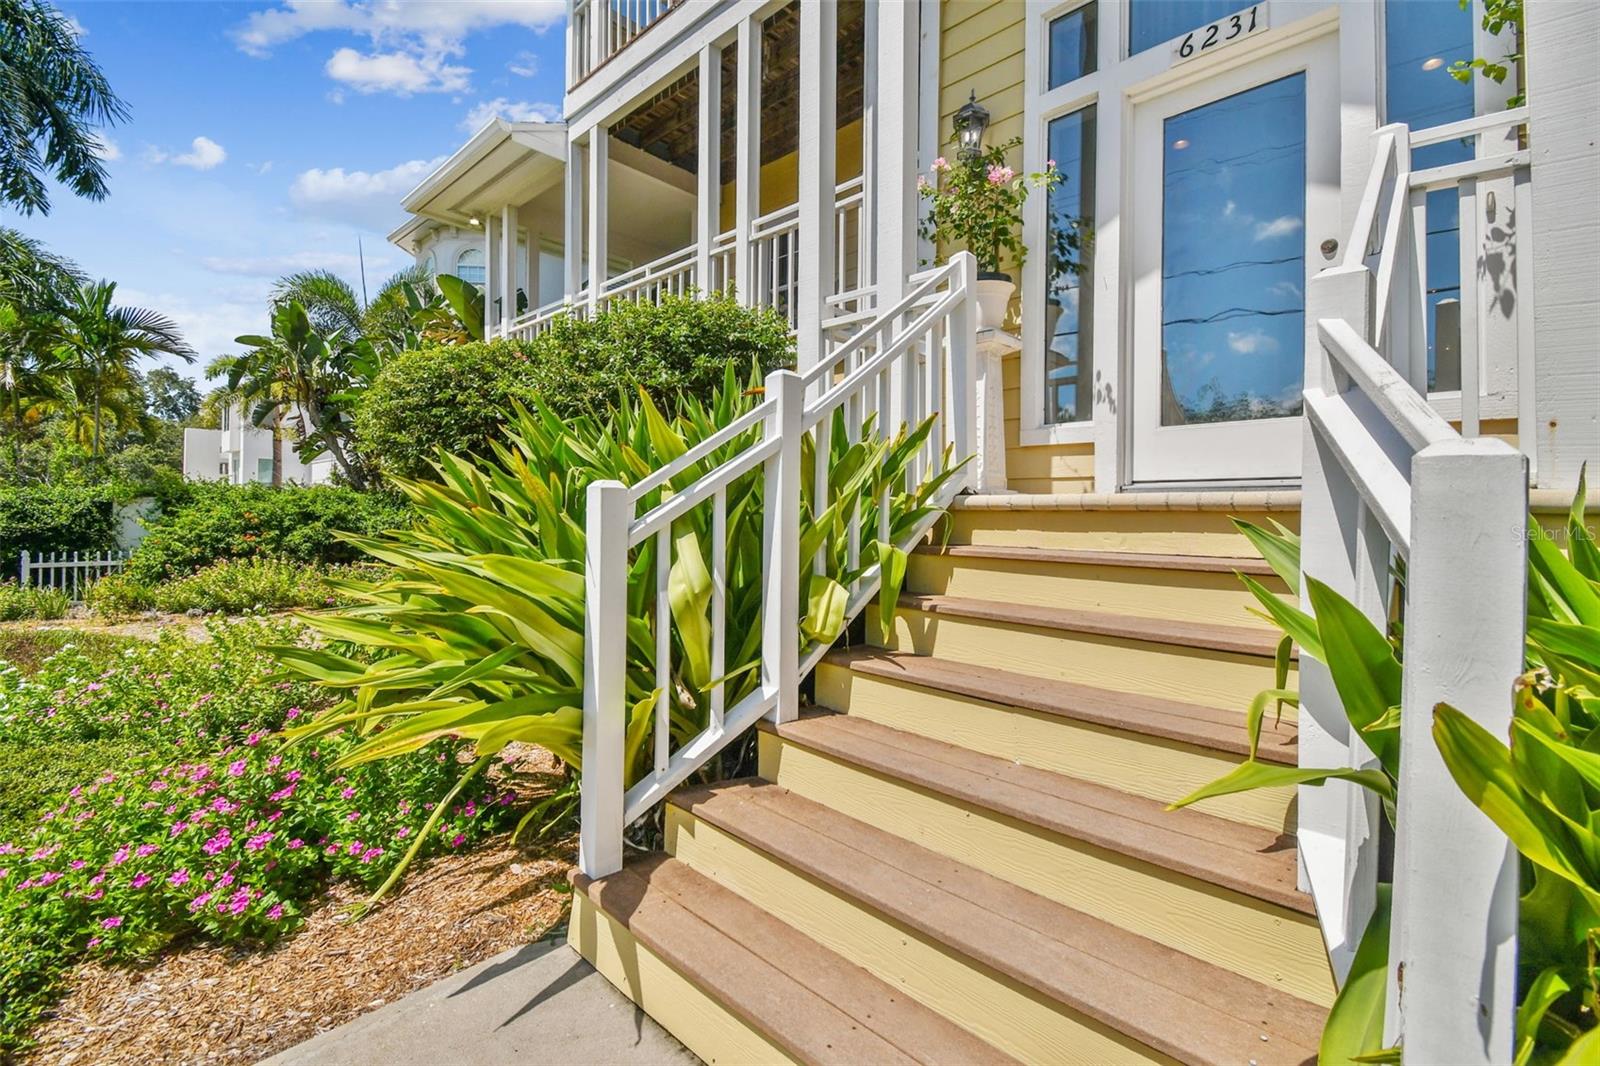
[201, 824]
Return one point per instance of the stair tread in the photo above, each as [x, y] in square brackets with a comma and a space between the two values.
[1169, 1001]
[1093, 557]
[812, 1002]
[1241, 640]
[1189, 723]
[1247, 859]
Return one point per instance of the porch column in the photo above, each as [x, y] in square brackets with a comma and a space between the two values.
[895, 127]
[819, 48]
[488, 274]
[508, 266]
[598, 137]
[708, 201]
[572, 224]
[531, 254]
[747, 190]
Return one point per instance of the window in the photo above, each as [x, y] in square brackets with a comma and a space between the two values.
[226, 413]
[469, 266]
[264, 470]
[1072, 45]
[1069, 249]
[1421, 39]
[1153, 22]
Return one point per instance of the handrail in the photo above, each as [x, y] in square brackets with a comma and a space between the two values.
[904, 383]
[1386, 477]
[661, 265]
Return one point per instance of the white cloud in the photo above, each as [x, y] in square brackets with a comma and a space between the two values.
[1285, 288]
[511, 111]
[209, 325]
[1281, 226]
[401, 73]
[359, 197]
[107, 149]
[412, 41]
[1254, 342]
[78, 29]
[203, 154]
[525, 65]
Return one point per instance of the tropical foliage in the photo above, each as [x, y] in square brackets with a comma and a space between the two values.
[976, 203]
[53, 100]
[479, 631]
[1542, 790]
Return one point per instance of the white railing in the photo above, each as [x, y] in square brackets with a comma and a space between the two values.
[920, 364]
[853, 280]
[1388, 480]
[601, 28]
[532, 323]
[775, 260]
[671, 275]
[69, 572]
[1492, 331]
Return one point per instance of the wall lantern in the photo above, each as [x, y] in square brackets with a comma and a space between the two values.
[971, 120]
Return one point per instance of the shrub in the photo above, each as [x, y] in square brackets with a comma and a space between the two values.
[31, 775]
[43, 518]
[455, 397]
[28, 649]
[460, 397]
[29, 601]
[244, 521]
[119, 594]
[232, 586]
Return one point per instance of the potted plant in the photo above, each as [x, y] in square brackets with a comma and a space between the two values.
[977, 202]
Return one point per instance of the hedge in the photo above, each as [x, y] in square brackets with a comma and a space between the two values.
[45, 518]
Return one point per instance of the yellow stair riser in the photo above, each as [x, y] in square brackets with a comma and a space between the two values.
[1175, 672]
[1186, 595]
[699, 1021]
[997, 1008]
[1153, 767]
[1161, 532]
[1259, 940]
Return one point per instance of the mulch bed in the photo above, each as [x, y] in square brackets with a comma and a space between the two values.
[228, 1005]
[214, 1004]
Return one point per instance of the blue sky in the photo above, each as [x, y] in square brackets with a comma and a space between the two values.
[267, 138]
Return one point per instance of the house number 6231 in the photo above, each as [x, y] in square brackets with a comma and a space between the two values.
[1224, 31]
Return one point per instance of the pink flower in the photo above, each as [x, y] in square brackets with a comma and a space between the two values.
[94, 942]
[178, 878]
[236, 768]
[403, 832]
[77, 864]
[354, 848]
[218, 842]
[458, 840]
[140, 881]
[291, 714]
[471, 809]
[1049, 164]
[370, 854]
[200, 901]
[253, 739]
[352, 816]
[940, 165]
[347, 793]
[259, 841]
[146, 849]
[240, 900]
[296, 844]
[111, 923]
[272, 763]
[923, 183]
[282, 794]
[275, 911]
[177, 827]
[120, 857]
[292, 776]
[47, 878]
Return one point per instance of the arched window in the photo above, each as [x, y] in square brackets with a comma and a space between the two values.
[469, 266]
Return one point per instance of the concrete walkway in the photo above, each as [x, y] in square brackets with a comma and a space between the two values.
[536, 1004]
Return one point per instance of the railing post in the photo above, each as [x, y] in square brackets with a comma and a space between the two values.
[747, 159]
[961, 410]
[708, 199]
[605, 563]
[780, 547]
[1343, 547]
[1452, 953]
[22, 571]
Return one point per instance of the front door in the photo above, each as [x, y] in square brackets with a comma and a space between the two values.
[1236, 187]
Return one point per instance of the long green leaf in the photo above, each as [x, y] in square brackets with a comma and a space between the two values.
[1354, 1029]
[1248, 776]
[1364, 668]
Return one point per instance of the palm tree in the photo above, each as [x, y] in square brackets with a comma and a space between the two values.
[100, 343]
[302, 370]
[330, 301]
[52, 98]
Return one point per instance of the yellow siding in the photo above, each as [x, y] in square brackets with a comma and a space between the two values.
[1051, 468]
[780, 179]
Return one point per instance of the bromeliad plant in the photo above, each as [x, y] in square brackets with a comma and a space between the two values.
[1543, 790]
[479, 631]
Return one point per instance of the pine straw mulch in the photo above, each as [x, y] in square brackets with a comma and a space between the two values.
[211, 1004]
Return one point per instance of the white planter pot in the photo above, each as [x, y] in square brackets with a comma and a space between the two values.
[994, 298]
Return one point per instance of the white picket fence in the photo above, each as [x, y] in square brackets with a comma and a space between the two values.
[69, 572]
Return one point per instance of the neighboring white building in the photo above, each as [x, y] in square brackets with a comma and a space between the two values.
[240, 453]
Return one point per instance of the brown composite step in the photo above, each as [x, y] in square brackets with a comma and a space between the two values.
[1211, 564]
[817, 1006]
[1240, 640]
[1246, 859]
[1171, 1002]
[1205, 727]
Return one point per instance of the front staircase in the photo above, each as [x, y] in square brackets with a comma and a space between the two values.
[960, 853]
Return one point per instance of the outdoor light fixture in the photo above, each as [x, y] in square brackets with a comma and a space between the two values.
[1432, 64]
[971, 120]
[474, 221]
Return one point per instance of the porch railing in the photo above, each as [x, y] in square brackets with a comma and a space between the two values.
[671, 275]
[1388, 480]
[921, 353]
[602, 28]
